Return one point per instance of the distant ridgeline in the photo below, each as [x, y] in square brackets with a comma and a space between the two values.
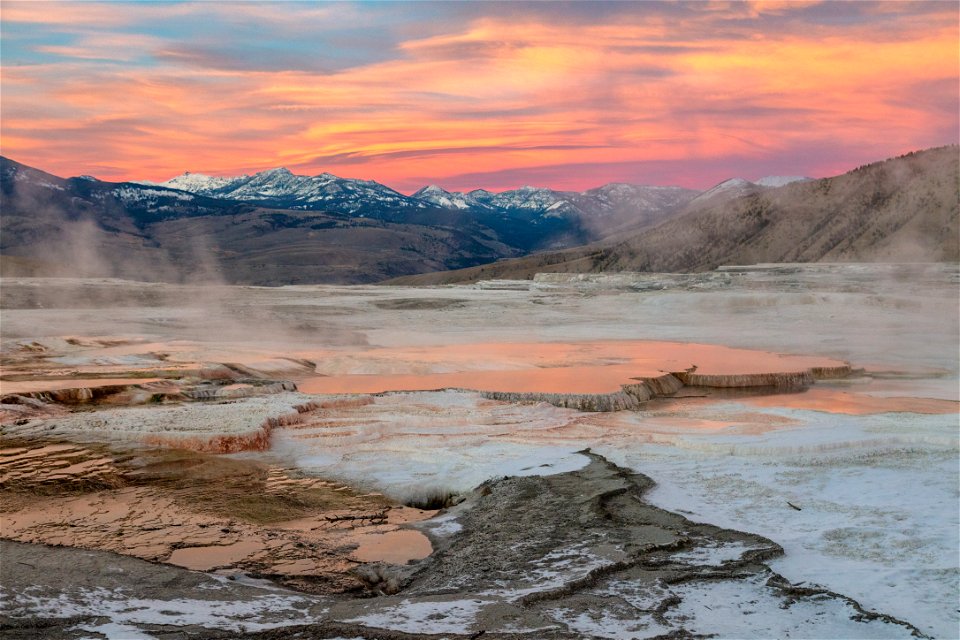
[275, 227]
[900, 210]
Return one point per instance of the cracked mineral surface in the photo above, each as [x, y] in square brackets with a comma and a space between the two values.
[571, 555]
[772, 453]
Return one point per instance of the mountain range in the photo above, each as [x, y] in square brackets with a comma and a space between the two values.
[276, 227]
[565, 217]
[900, 210]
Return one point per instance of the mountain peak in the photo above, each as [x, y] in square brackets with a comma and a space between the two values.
[439, 196]
[278, 171]
[734, 182]
[196, 183]
[431, 189]
[779, 181]
[730, 188]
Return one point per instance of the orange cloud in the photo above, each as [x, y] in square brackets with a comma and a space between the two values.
[492, 95]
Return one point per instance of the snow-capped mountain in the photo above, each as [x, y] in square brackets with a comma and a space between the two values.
[246, 225]
[197, 183]
[609, 200]
[534, 199]
[529, 217]
[525, 199]
[440, 197]
[555, 218]
[617, 196]
[89, 227]
[282, 188]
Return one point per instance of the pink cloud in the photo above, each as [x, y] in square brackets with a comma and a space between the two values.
[524, 96]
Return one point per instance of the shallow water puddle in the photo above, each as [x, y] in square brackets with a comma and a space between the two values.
[837, 401]
[574, 367]
[211, 557]
[395, 547]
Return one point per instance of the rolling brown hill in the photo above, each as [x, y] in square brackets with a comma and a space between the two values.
[900, 210]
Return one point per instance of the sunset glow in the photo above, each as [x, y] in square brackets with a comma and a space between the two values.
[467, 95]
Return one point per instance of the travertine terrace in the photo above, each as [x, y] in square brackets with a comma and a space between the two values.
[733, 438]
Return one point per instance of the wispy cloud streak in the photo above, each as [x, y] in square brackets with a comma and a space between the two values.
[476, 94]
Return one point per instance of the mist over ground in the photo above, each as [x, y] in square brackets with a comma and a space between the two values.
[850, 452]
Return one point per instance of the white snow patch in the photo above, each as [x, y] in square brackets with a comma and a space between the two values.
[712, 556]
[561, 566]
[552, 571]
[451, 440]
[199, 183]
[878, 494]
[257, 613]
[628, 625]
[733, 187]
[442, 526]
[640, 595]
[129, 194]
[456, 616]
[747, 608]
[115, 630]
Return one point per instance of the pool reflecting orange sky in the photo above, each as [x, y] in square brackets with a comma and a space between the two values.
[561, 367]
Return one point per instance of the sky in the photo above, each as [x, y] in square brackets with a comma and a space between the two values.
[568, 95]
